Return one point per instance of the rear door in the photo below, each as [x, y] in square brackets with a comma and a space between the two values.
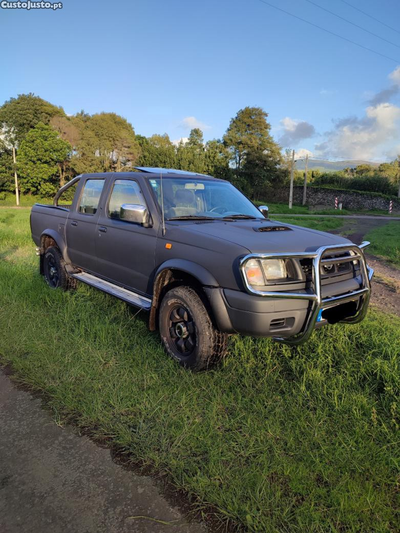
[82, 222]
[125, 250]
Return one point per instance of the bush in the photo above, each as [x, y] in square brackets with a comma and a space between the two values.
[380, 184]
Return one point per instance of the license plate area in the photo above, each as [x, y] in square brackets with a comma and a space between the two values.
[337, 313]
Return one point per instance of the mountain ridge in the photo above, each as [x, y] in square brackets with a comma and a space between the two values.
[333, 166]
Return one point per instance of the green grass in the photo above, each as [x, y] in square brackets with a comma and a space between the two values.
[26, 200]
[283, 209]
[385, 242]
[277, 439]
[319, 223]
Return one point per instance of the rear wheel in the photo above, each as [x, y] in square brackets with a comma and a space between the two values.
[54, 270]
[187, 331]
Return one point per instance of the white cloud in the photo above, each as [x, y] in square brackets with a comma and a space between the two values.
[302, 152]
[295, 131]
[188, 123]
[387, 94]
[182, 140]
[327, 92]
[368, 137]
[395, 76]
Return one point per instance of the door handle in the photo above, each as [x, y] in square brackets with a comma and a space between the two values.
[103, 229]
[74, 223]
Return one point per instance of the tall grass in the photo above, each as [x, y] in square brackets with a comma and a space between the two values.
[385, 242]
[278, 439]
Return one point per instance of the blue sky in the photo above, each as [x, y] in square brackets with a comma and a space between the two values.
[170, 65]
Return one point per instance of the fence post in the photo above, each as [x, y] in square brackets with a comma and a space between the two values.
[390, 207]
[336, 203]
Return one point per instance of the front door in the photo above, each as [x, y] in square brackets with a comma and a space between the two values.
[125, 250]
[81, 225]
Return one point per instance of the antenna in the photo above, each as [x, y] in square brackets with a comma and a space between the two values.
[162, 205]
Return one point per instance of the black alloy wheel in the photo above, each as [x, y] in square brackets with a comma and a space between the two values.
[51, 269]
[182, 331]
[187, 330]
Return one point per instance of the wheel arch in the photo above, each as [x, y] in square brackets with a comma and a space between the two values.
[179, 272]
[50, 237]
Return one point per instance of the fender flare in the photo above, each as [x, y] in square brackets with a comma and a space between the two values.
[201, 274]
[197, 271]
[59, 241]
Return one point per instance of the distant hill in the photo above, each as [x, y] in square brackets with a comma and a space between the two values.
[332, 166]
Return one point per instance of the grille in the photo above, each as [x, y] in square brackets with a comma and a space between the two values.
[331, 266]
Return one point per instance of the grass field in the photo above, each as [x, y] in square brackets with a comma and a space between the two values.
[283, 209]
[276, 439]
[319, 223]
[385, 242]
[26, 200]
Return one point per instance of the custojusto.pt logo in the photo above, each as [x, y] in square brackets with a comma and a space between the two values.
[31, 5]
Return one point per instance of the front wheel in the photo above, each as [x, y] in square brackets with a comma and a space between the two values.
[187, 331]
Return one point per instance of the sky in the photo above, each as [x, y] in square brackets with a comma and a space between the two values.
[169, 66]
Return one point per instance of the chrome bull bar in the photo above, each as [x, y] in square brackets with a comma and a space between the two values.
[319, 258]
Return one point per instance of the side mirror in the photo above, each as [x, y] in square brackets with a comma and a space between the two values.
[137, 214]
[264, 210]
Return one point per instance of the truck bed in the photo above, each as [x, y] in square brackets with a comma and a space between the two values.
[45, 216]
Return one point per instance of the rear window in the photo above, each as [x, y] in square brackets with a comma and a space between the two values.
[91, 196]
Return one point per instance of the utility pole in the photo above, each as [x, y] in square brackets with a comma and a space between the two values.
[15, 176]
[291, 182]
[305, 182]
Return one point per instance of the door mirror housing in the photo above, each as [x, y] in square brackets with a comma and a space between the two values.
[264, 210]
[135, 213]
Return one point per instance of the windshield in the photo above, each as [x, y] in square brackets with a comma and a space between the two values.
[199, 198]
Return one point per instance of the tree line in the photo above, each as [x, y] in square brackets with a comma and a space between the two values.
[41, 148]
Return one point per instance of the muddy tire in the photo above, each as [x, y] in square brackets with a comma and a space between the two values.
[187, 331]
[54, 270]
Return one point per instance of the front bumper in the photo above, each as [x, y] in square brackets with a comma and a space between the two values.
[291, 317]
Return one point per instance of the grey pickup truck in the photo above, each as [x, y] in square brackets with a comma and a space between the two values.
[200, 258]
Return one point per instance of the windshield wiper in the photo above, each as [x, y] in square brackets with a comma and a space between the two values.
[192, 217]
[249, 217]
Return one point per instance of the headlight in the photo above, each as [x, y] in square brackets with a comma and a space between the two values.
[265, 271]
[253, 272]
[274, 269]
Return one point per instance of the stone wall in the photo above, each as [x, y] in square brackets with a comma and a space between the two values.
[318, 197]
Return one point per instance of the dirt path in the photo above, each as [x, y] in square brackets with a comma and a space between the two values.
[386, 280]
[55, 481]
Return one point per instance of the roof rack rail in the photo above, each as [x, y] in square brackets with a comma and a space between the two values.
[159, 170]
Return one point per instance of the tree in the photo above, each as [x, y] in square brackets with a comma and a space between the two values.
[216, 160]
[6, 171]
[156, 151]
[40, 159]
[25, 112]
[17, 117]
[191, 154]
[66, 128]
[8, 147]
[107, 142]
[256, 157]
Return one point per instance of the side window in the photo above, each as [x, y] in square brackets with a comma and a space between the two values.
[124, 192]
[67, 197]
[91, 196]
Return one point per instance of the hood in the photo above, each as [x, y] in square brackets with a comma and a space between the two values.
[262, 236]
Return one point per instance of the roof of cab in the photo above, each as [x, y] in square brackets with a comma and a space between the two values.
[160, 170]
[152, 172]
